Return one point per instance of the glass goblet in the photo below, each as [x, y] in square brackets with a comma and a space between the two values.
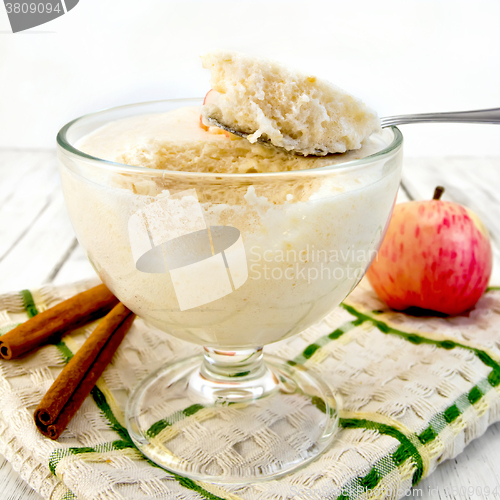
[231, 262]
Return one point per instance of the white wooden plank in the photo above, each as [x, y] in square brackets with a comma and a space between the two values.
[402, 194]
[12, 486]
[474, 474]
[31, 195]
[14, 165]
[77, 267]
[40, 250]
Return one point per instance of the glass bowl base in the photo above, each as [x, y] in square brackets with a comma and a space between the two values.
[256, 425]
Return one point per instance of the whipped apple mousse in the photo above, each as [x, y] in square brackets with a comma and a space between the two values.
[308, 223]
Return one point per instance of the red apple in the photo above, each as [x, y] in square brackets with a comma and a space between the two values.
[436, 255]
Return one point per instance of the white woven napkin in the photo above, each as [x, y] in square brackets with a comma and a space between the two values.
[414, 392]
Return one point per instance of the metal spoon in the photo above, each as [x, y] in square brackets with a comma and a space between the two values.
[491, 115]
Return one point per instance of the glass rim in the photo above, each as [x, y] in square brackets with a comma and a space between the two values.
[65, 144]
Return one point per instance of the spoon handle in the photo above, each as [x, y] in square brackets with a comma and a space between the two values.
[491, 115]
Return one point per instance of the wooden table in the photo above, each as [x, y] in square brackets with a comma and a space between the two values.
[38, 245]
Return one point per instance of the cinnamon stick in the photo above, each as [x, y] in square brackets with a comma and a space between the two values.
[50, 325]
[79, 376]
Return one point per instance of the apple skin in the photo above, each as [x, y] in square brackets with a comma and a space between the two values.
[210, 97]
[435, 255]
